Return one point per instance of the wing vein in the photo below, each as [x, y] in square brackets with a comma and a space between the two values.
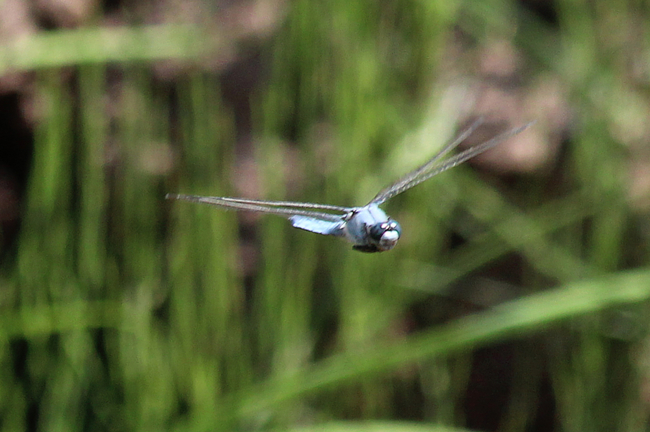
[271, 207]
[434, 166]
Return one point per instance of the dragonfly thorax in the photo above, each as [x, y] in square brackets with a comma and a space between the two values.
[371, 230]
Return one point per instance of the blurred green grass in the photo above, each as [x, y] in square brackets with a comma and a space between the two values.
[125, 312]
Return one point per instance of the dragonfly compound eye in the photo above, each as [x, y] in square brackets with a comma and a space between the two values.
[385, 234]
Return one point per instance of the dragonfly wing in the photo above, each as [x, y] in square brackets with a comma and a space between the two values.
[286, 204]
[435, 166]
[318, 226]
[299, 209]
[389, 191]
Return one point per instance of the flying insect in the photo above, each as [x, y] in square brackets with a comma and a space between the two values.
[368, 227]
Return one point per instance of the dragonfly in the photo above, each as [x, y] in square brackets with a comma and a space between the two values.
[368, 227]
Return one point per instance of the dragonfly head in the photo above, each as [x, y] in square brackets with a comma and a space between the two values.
[384, 235]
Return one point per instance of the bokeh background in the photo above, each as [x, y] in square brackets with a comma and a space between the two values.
[515, 301]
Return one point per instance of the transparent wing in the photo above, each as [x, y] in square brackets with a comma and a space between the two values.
[435, 166]
[282, 208]
[389, 191]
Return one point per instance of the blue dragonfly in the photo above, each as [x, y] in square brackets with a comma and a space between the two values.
[368, 228]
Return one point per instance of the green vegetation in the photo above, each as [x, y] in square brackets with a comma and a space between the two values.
[123, 311]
